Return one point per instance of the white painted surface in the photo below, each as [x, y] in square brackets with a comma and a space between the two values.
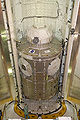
[14, 119]
[70, 43]
[64, 118]
[49, 8]
[13, 37]
[43, 34]
[28, 71]
[54, 66]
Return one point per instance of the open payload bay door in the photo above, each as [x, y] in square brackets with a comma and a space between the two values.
[73, 79]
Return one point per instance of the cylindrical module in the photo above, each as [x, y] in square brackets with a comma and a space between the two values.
[39, 62]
